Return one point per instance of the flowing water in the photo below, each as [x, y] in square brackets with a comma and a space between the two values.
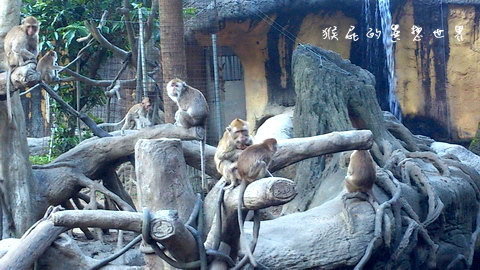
[386, 22]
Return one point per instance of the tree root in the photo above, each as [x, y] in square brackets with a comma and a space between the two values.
[376, 241]
[435, 205]
[403, 243]
[436, 161]
[87, 182]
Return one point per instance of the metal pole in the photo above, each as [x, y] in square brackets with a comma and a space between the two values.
[138, 87]
[142, 52]
[218, 111]
[79, 94]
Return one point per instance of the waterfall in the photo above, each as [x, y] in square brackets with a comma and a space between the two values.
[368, 24]
[386, 22]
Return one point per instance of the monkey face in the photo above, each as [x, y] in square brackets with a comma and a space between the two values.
[31, 30]
[175, 88]
[146, 104]
[242, 139]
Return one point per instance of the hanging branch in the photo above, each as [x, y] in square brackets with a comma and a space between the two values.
[125, 11]
[150, 21]
[85, 119]
[80, 54]
[101, 83]
[103, 41]
[101, 24]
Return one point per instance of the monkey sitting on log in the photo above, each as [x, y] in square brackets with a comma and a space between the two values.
[192, 112]
[361, 176]
[361, 173]
[234, 140]
[47, 66]
[20, 48]
[137, 116]
[192, 105]
[252, 164]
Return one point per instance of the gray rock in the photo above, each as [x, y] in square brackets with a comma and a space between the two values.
[463, 154]
[38, 146]
[278, 127]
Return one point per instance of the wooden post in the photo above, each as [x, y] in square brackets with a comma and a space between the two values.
[162, 185]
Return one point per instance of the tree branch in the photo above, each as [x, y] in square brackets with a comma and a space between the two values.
[87, 120]
[103, 41]
[100, 83]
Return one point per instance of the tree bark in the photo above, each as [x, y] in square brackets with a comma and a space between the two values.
[31, 246]
[16, 180]
[168, 179]
[172, 47]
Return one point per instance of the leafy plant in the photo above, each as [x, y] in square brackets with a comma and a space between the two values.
[40, 160]
[61, 24]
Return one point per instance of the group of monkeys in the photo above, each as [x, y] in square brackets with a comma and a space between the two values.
[237, 159]
[21, 48]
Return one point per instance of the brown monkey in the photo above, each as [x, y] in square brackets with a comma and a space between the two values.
[253, 163]
[192, 105]
[192, 112]
[137, 116]
[361, 173]
[234, 140]
[47, 67]
[21, 42]
[20, 47]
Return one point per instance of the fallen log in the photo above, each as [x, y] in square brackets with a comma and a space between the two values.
[31, 246]
[290, 151]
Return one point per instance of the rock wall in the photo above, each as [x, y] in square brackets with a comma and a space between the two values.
[437, 83]
[265, 45]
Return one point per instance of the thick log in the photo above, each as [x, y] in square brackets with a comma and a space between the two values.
[260, 194]
[161, 184]
[91, 156]
[16, 180]
[31, 246]
[290, 150]
[104, 219]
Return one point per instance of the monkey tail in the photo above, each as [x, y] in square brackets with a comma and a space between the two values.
[243, 240]
[7, 93]
[112, 124]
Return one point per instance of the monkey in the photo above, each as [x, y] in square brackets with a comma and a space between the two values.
[252, 164]
[234, 140]
[21, 42]
[192, 105]
[361, 176]
[361, 172]
[192, 112]
[135, 117]
[47, 67]
[20, 46]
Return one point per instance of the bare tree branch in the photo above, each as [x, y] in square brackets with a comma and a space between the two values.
[125, 10]
[103, 41]
[150, 21]
[101, 83]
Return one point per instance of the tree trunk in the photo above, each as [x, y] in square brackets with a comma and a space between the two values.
[172, 47]
[9, 17]
[168, 179]
[16, 179]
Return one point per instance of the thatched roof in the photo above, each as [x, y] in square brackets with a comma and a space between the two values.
[207, 14]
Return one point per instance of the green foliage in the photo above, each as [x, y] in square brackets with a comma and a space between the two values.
[190, 11]
[40, 160]
[61, 24]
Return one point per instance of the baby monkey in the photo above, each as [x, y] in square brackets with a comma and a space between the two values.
[137, 116]
[47, 67]
[252, 164]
